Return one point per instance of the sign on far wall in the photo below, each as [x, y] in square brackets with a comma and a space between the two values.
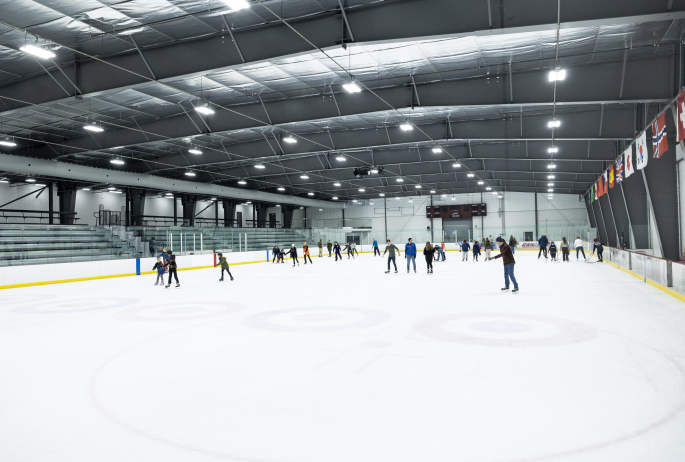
[457, 211]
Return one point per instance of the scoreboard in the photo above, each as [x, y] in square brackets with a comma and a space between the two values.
[456, 211]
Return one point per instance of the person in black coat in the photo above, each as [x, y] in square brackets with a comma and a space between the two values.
[350, 252]
[276, 252]
[597, 245]
[172, 269]
[428, 252]
[293, 254]
[336, 249]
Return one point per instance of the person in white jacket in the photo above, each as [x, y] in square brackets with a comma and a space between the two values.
[578, 244]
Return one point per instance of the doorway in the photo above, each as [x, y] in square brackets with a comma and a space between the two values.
[457, 229]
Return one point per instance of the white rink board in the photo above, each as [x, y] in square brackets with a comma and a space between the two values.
[339, 362]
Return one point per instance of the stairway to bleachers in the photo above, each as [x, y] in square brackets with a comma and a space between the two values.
[217, 238]
[37, 244]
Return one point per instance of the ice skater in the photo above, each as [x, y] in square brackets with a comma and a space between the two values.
[172, 269]
[160, 266]
[564, 249]
[509, 263]
[390, 249]
[578, 244]
[465, 250]
[512, 243]
[375, 247]
[293, 254]
[320, 248]
[542, 242]
[224, 266]
[354, 248]
[553, 251]
[442, 250]
[428, 252]
[476, 250]
[336, 248]
[276, 252]
[410, 254]
[305, 253]
[329, 246]
[597, 245]
[488, 249]
[348, 247]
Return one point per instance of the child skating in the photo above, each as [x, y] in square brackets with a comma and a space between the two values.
[476, 250]
[348, 247]
[172, 269]
[160, 266]
[465, 250]
[553, 251]
[224, 266]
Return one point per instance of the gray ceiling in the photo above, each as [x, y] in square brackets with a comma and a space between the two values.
[482, 95]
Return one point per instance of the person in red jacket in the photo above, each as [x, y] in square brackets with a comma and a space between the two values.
[509, 262]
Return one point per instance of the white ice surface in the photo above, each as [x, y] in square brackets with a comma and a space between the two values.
[340, 362]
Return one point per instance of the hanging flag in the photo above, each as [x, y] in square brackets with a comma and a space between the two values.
[611, 175]
[619, 169]
[600, 184]
[594, 187]
[659, 140]
[606, 182]
[641, 151]
[592, 193]
[680, 104]
[628, 155]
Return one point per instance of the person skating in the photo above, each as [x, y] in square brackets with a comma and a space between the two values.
[160, 266]
[375, 247]
[354, 248]
[476, 250]
[277, 253]
[350, 252]
[564, 249]
[542, 242]
[224, 266]
[509, 263]
[428, 252]
[172, 269]
[597, 245]
[329, 246]
[442, 248]
[578, 244]
[553, 251]
[390, 249]
[410, 253]
[465, 250]
[320, 248]
[512, 243]
[305, 252]
[488, 249]
[293, 254]
[336, 248]
[281, 256]
[164, 254]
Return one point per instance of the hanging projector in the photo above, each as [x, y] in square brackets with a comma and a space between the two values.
[367, 171]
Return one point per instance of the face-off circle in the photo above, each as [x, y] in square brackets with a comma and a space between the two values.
[180, 312]
[317, 319]
[504, 329]
[75, 305]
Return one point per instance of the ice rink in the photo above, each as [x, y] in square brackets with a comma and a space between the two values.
[339, 362]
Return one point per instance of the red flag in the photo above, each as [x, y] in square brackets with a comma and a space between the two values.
[680, 104]
[659, 140]
[600, 183]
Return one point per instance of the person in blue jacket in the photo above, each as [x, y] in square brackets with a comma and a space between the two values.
[375, 248]
[465, 250]
[476, 250]
[542, 242]
[410, 253]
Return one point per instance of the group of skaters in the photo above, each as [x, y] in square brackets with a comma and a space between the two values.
[166, 263]
[333, 249]
[546, 246]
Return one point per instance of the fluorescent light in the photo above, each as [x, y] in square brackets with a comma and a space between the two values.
[320, 210]
[470, 175]
[281, 189]
[195, 151]
[115, 192]
[418, 186]
[553, 150]
[42, 53]
[341, 158]
[190, 173]
[7, 143]
[437, 150]
[362, 190]
[310, 194]
[550, 177]
[550, 190]
[553, 123]
[550, 184]
[116, 161]
[354, 200]
[336, 184]
[432, 192]
[352, 87]
[111, 188]
[480, 182]
[499, 197]
[495, 192]
[236, 5]
[290, 139]
[488, 188]
[242, 182]
[204, 110]
[85, 189]
[187, 140]
[38, 184]
[399, 180]
[304, 177]
[382, 195]
[407, 127]
[373, 170]
[93, 128]
[259, 166]
[456, 165]
[335, 198]
[551, 166]
[30, 180]
[444, 195]
[557, 74]
[397, 198]
[278, 205]
[131, 31]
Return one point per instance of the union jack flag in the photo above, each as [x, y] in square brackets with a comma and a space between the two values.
[619, 170]
[659, 140]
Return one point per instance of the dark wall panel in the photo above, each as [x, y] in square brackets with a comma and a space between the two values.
[608, 220]
[636, 198]
[590, 215]
[620, 215]
[600, 222]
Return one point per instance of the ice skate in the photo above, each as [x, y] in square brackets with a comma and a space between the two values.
[504, 289]
[167, 286]
[387, 272]
[178, 285]
[515, 291]
[231, 278]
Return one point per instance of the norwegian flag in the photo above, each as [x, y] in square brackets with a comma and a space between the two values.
[659, 140]
[619, 170]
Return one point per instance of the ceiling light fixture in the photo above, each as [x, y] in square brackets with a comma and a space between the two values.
[362, 190]
[432, 191]
[407, 127]
[550, 190]
[488, 188]
[456, 165]
[290, 139]
[382, 195]
[336, 184]
[7, 143]
[551, 166]
[204, 110]
[341, 158]
[281, 189]
[93, 128]
[499, 197]
[554, 123]
[480, 182]
[85, 189]
[399, 180]
[236, 5]
[116, 162]
[557, 74]
[111, 188]
[190, 173]
[115, 192]
[550, 184]
[42, 53]
[374, 171]
[242, 182]
[335, 198]
[354, 200]
[550, 177]
[495, 192]
[352, 86]
[130, 31]
[304, 177]
[259, 166]
[195, 151]
[418, 186]
[437, 150]
[553, 150]
[310, 194]
[470, 175]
